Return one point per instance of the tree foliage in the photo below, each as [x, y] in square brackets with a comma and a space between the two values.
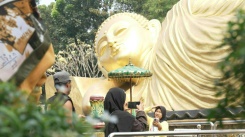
[129, 6]
[73, 20]
[157, 9]
[45, 12]
[151, 9]
[20, 118]
[232, 86]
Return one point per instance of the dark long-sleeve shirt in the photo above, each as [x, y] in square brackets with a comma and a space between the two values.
[140, 123]
[127, 122]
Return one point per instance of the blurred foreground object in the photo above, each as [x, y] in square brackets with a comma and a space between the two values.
[22, 118]
[232, 85]
[26, 51]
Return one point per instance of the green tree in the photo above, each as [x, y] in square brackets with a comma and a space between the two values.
[157, 9]
[71, 20]
[76, 19]
[232, 86]
[129, 6]
[151, 9]
[45, 13]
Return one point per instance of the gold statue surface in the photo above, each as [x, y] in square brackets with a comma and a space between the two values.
[181, 53]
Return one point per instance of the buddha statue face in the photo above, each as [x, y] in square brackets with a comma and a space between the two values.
[122, 37]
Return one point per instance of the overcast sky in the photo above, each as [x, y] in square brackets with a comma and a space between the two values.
[46, 2]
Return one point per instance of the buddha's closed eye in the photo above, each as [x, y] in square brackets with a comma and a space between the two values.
[112, 35]
[102, 48]
[120, 31]
[120, 28]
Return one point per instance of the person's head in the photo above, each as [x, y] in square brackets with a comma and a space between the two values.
[123, 36]
[114, 100]
[160, 113]
[62, 82]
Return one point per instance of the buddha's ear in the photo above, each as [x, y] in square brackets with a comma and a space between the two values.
[154, 27]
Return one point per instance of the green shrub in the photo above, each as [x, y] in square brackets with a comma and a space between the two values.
[20, 118]
[232, 85]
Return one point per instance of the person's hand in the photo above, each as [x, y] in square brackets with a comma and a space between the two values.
[155, 122]
[155, 106]
[140, 107]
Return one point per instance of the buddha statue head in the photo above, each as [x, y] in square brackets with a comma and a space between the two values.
[125, 36]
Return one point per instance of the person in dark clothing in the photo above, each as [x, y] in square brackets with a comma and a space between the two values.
[114, 103]
[62, 83]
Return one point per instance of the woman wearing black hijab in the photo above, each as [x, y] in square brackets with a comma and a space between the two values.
[115, 104]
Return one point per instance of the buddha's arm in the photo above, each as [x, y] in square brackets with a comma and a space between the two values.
[186, 54]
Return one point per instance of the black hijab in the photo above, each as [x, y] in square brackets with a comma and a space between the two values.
[114, 100]
[163, 110]
[114, 104]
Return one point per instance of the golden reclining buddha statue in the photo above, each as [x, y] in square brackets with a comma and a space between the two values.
[181, 53]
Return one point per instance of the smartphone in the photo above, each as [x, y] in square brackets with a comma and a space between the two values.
[133, 104]
[156, 119]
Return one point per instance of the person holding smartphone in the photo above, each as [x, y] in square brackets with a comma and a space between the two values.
[158, 123]
[115, 105]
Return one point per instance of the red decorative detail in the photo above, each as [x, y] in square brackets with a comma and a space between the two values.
[96, 98]
[99, 125]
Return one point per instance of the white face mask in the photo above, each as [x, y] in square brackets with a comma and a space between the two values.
[61, 88]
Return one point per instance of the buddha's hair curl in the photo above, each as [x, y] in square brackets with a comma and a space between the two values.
[139, 18]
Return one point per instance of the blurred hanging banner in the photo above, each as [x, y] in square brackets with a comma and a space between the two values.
[24, 44]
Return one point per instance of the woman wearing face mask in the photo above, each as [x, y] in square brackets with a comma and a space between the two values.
[158, 123]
